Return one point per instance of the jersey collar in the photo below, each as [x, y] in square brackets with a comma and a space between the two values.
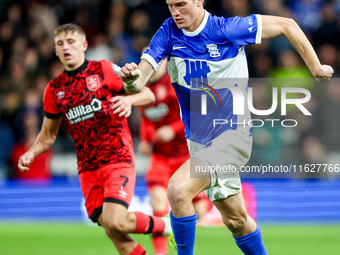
[200, 28]
[81, 68]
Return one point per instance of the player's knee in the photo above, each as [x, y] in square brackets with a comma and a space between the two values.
[236, 224]
[115, 226]
[178, 194]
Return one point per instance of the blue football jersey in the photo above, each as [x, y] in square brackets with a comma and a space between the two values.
[208, 69]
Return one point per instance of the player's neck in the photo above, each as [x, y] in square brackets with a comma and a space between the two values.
[80, 68]
[197, 22]
[75, 67]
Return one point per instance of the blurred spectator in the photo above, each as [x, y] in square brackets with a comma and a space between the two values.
[19, 49]
[2, 71]
[11, 113]
[6, 37]
[31, 122]
[328, 31]
[83, 19]
[100, 49]
[290, 67]
[307, 13]
[36, 33]
[40, 168]
[15, 17]
[336, 5]
[120, 40]
[55, 69]
[43, 15]
[39, 84]
[233, 8]
[16, 81]
[7, 141]
[274, 7]
[139, 24]
[329, 55]
[46, 54]
[31, 61]
[291, 73]
[261, 66]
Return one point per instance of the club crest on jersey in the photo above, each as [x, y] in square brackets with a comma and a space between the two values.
[93, 82]
[214, 52]
[61, 94]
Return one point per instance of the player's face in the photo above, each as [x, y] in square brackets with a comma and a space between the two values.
[70, 47]
[187, 14]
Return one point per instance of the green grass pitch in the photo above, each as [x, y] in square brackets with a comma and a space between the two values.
[80, 239]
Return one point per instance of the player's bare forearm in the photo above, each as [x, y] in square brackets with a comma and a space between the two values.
[44, 141]
[276, 26]
[143, 98]
[122, 104]
[135, 77]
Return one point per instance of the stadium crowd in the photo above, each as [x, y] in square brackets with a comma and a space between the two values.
[118, 30]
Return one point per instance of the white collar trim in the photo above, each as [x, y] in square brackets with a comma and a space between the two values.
[200, 28]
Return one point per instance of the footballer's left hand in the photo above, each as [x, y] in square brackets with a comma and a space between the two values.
[122, 105]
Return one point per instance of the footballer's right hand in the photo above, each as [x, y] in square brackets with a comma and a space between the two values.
[25, 160]
[324, 72]
[129, 72]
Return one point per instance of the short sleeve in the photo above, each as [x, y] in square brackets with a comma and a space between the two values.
[111, 78]
[159, 47]
[243, 30]
[51, 109]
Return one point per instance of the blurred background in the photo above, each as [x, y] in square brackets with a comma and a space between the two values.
[118, 30]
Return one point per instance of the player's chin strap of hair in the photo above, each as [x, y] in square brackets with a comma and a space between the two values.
[130, 85]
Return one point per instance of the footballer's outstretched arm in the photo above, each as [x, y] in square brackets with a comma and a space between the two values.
[144, 98]
[44, 141]
[135, 77]
[273, 26]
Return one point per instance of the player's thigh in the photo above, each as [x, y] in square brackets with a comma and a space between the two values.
[224, 157]
[118, 188]
[185, 183]
[92, 189]
[119, 184]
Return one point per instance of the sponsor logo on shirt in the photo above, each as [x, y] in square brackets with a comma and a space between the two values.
[157, 113]
[178, 47]
[93, 82]
[84, 112]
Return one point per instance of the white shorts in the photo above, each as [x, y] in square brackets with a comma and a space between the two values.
[223, 157]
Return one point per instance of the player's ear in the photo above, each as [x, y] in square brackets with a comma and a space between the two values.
[85, 45]
[55, 50]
